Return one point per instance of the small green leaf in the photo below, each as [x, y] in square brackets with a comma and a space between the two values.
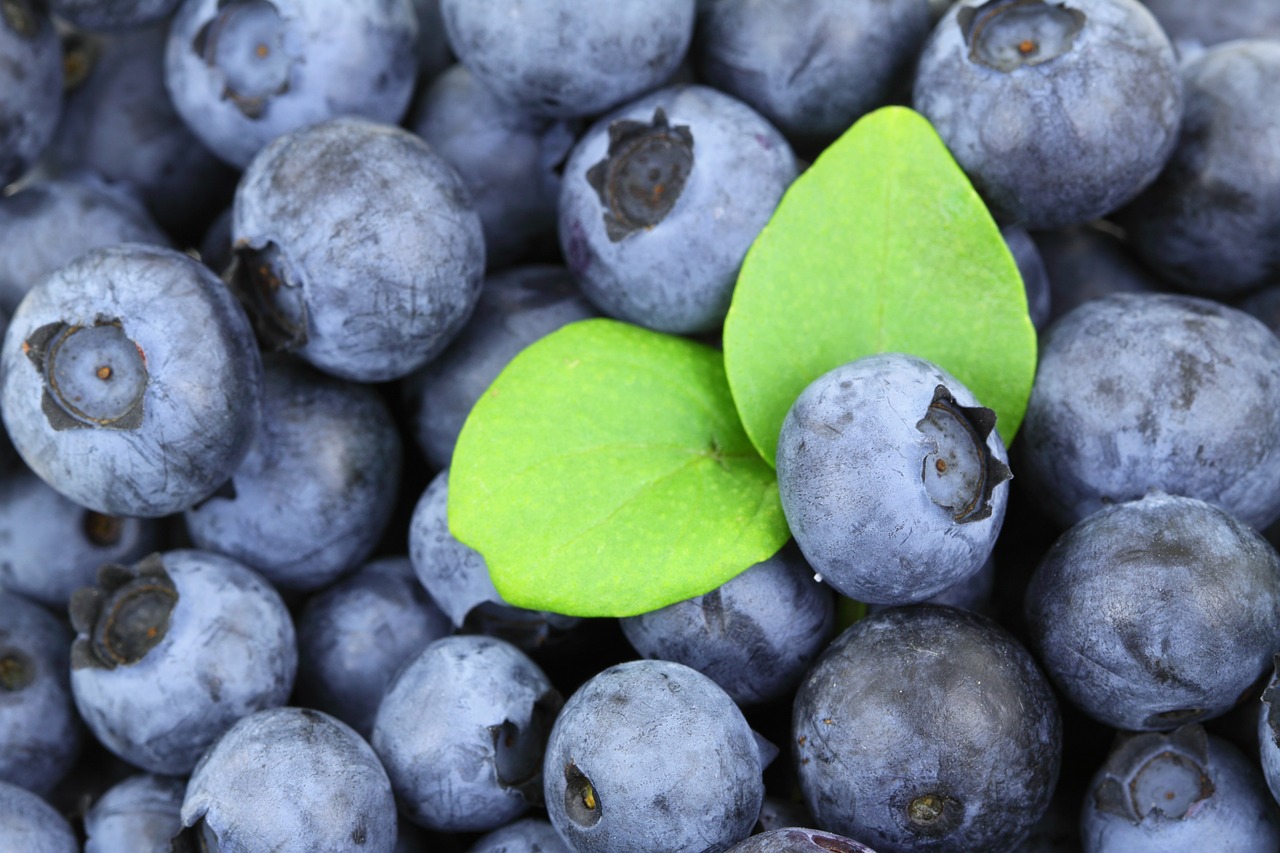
[882, 245]
[605, 473]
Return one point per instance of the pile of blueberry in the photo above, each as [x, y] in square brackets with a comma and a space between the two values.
[259, 259]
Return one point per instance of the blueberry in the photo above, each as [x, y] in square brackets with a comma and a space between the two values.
[1142, 391]
[357, 247]
[754, 636]
[509, 160]
[1269, 732]
[1035, 278]
[286, 780]
[316, 490]
[50, 223]
[1157, 612]
[141, 814]
[1211, 221]
[457, 577]
[50, 546]
[1085, 262]
[798, 840]
[527, 835]
[119, 122]
[652, 755]
[563, 58]
[461, 731]
[130, 381]
[172, 651]
[1058, 112]
[112, 15]
[927, 728]
[40, 733]
[517, 307]
[1196, 23]
[30, 825]
[1184, 791]
[31, 83]
[973, 593]
[355, 635]
[243, 72]
[892, 478]
[661, 200]
[432, 48]
[812, 67]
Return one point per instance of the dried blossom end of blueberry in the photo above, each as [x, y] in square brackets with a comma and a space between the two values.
[94, 376]
[960, 472]
[1154, 773]
[124, 616]
[643, 174]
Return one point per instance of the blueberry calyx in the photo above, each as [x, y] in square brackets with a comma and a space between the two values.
[244, 42]
[20, 17]
[262, 279]
[933, 814]
[124, 616]
[643, 174]
[16, 670]
[1005, 35]
[961, 472]
[1155, 772]
[581, 802]
[94, 376]
[79, 57]
[101, 529]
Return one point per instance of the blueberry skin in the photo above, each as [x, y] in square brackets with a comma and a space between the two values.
[754, 636]
[317, 488]
[119, 122]
[927, 728]
[661, 247]
[527, 835]
[508, 159]
[1206, 24]
[1156, 612]
[1269, 732]
[812, 67]
[50, 546]
[888, 509]
[29, 824]
[322, 59]
[652, 755]
[1067, 132]
[517, 306]
[141, 814]
[798, 840]
[354, 636]
[457, 577]
[50, 223]
[183, 408]
[461, 731]
[291, 779]
[112, 15]
[1182, 792]
[561, 58]
[40, 733]
[1211, 221]
[1084, 262]
[31, 80]
[358, 248]
[224, 649]
[1035, 278]
[1142, 391]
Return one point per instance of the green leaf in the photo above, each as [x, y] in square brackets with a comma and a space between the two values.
[605, 473]
[882, 245]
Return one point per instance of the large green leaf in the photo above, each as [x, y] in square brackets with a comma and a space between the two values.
[882, 245]
[605, 473]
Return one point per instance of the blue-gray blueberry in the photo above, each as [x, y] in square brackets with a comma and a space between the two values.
[798, 840]
[927, 728]
[1058, 112]
[527, 835]
[564, 58]
[112, 15]
[1182, 792]
[651, 755]
[1194, 23]
[314, 493]
[1156, 613]
[30, 85]
[243, 72]
[31, 825]
[290, 780]
[1269, 731]
[1142, 391]
[1085, 262]
[140, 814]
[358, 248]
[892, 478]
[661, 200]
[172, 651]
[130, 381]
